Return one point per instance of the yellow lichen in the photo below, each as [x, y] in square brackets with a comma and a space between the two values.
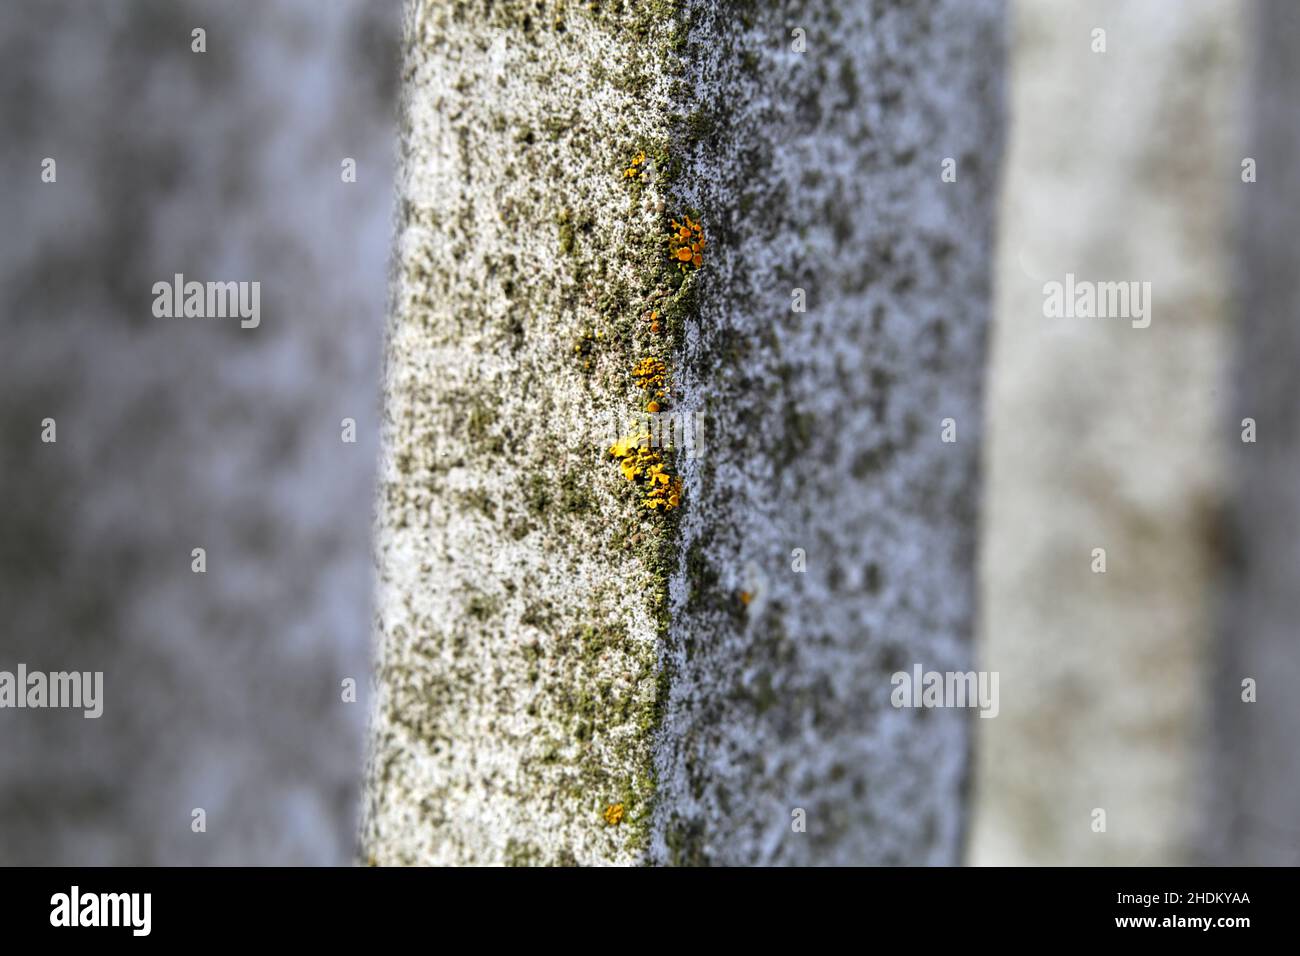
[638, 460]
[686, 243]
[665, 493]
[650, 373]
[614, 814]
[634, 168]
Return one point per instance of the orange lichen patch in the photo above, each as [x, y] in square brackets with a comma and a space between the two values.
[745, 598]
[652, 408]
[655, 324]
[686, 243]
[635, 168]
[614, 814]
[650, 373]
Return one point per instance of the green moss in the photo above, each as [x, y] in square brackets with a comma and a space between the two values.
[480, 501]
[540, 616]
[537, 494]
[557, 126]
[764, 696]
[594, 713]
[685, 841]
[575, 496]
[480, 425]
[700, 125]
[481, 607]
[797, 434]
[701, 577]
[568, 234]
[521, 853]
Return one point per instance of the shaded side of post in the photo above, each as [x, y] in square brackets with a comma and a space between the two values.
[844, 162]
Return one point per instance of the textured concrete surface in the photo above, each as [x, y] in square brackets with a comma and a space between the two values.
[822, 172]
[1121, 166]
[520, 581]
[564, 675]
[222, 690]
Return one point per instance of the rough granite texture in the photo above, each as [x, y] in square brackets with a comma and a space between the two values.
[549, 649]
[1120, 166]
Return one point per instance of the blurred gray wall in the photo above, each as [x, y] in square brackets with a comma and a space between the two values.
[1253, 775]
[1122, 165]
[222, 689]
